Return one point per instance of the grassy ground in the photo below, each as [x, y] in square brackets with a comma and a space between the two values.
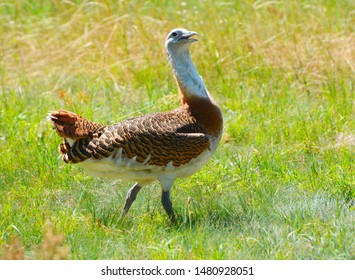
[282, 182]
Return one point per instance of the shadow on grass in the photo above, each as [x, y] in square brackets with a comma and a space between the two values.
[232, 210]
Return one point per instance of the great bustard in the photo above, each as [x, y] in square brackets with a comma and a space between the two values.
[161, 146]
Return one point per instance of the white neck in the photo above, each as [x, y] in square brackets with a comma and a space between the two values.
[189, 80]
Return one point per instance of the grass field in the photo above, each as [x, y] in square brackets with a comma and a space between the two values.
[282, 182]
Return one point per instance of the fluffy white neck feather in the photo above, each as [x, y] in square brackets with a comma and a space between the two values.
[189, 80]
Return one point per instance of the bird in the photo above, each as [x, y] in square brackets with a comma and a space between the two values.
[160, 146]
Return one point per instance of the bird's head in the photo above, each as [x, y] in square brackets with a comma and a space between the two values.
[179, 39]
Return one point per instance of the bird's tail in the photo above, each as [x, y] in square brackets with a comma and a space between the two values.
[72, 126]
[80, 131]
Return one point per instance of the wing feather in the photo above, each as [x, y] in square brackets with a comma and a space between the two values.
[164, 138]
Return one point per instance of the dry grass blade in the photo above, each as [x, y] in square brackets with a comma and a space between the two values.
[51, 248]
[13, 251]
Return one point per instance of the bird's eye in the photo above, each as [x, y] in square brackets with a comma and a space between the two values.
[174, 34]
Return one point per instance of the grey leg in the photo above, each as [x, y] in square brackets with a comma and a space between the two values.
[168, 206]
[131, 196]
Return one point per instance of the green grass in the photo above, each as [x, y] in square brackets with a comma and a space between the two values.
[282, 182]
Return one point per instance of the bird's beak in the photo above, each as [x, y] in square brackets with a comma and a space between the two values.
[187, 36]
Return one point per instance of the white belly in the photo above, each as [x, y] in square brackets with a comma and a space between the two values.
[129, 169]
